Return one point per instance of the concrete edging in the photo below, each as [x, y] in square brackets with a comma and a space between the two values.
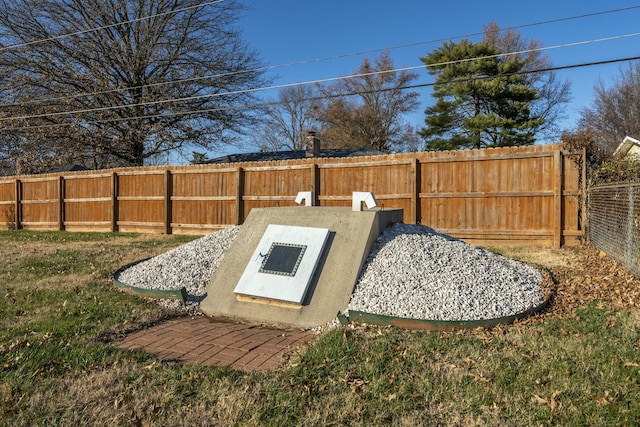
[362, 317]
[179, 294]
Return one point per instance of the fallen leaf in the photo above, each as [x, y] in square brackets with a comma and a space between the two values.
[539, 400]
[604, 398]
[480, 377]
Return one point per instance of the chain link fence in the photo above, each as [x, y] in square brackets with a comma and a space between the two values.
[614, 221]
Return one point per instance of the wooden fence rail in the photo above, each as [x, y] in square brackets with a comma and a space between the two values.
[516, 195]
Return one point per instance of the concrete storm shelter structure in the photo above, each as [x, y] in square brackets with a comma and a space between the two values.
[296, 266]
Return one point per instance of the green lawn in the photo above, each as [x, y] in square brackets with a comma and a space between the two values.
[59, 313]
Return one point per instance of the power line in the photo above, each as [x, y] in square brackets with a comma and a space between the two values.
[318, 81]
[303, 62]
[106, 27]
[266, 104]
[539, 70]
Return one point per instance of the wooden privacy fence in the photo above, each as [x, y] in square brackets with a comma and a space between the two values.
[515, 195]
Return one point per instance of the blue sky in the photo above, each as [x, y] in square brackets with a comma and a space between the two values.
[290, 31]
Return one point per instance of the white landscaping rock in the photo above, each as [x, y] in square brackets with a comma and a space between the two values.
[190, 266]
[416, 272]
[412, 271]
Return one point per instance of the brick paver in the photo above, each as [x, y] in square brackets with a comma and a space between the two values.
[212, 342]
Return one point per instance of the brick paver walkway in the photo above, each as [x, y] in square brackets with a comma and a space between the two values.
[211, 342]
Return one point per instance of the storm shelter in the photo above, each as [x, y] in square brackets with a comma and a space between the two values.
[294, 266]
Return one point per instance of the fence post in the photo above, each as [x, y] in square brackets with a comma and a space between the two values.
[114, 202]
[61, 207]
[557, 197]
[168, 191]
[315, 183]
[583, 190]
[630, 224]
[18, 206]
[415, 191]
[239, 195]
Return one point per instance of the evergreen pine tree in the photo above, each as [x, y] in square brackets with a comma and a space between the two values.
[482, 99]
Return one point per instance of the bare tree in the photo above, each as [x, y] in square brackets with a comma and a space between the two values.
[576, 141]
[7, 155]
[411, 142]
[287, 120]
[116, 82]
[366, 110]
[553, 93]
[615, 112]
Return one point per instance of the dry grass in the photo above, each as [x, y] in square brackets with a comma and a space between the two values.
[575, 364]
[582, 275]
[546, 257]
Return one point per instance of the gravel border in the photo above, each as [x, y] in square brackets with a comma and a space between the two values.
[412, 271]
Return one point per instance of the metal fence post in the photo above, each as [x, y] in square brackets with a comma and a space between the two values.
[630, 224]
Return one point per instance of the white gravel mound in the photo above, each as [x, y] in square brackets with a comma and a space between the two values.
[412, 271]
[191, 265]
[416, 272]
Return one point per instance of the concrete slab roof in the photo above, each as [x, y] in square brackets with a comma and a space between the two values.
[352, 234]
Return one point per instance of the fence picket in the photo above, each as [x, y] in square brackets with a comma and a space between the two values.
[522, 195]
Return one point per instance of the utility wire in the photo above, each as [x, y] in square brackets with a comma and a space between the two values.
[315, 98]
[306, 83]
[289, 64]
[106, 27]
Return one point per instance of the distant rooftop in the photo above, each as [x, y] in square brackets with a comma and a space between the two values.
[293, 155]
[629, 147]
[313, 149]
[67, 168]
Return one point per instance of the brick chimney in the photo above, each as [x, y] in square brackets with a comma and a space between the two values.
[312, 145]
